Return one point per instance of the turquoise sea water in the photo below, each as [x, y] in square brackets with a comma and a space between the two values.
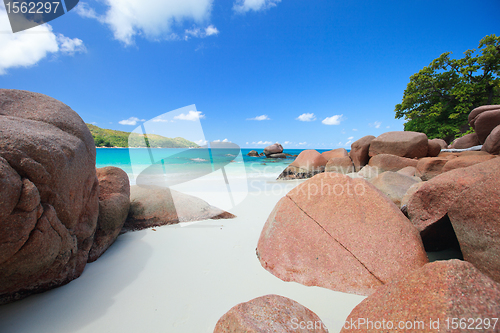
[181, 161]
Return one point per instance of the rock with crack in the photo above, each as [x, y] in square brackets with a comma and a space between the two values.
[339, 233]
[270, 313]
[152, 206]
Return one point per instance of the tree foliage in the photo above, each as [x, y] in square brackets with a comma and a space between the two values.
[439, 98]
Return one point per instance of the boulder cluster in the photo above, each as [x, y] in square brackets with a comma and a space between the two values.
[365, 221]
[57, 211]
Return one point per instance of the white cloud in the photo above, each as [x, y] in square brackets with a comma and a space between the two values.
[243, 6]
[355, 129]
[157, 20]
[259, 118]
[191, 116]
[27, 48]
[388, 127]
[306, 117]
[262, 143]
[211, 30]
[375, 124]
[201, 142]
[333, 120]
[350, 138]
[302, 143]
[226, 140]
[348, 143]
[216, 140]
[130, 121]
[247, 142]
[84, 10]
[287, 142]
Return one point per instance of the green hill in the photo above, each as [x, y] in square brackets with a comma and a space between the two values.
[111, 138]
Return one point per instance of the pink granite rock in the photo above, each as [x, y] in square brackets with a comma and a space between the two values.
[492, 142]
[387, 162]
[400, 143]
[466, 141]
[359, 151]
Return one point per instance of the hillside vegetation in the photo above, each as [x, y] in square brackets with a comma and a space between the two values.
[111, 138]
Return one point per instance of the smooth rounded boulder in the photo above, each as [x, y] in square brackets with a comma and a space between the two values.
[309, 163]
[492, 142]
[339, 152]
[400, 143]
[359, 151]
[466, 160]
[152, 206]
[341, 165]
[339, 233]
[273, 149]
[49, 194]
[477, 111]
[253, 153]
[485, 123]
[443, 296]
[430, 167]
[394, 185]
[434, 148]
[270, 313]
[475, 217]
[114, 203]
[466, 141]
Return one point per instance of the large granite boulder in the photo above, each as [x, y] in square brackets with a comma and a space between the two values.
[340, 164]
[309, 163]
[387, 162]
[477, 111]
[339, 233]
[475, 217]
[485, 122]
[400, 143]
[492, 143]
[430, 167]
[152, 206]
[270, 313]
[368, 172]
[273, 149]
[428, 207]
[114, 203]
[253, 153]
[359, 151]
[49, 194]
[466, 160]
[339, 152]
[394, 185]
[466, 141]
[434, 298]
[441, 143]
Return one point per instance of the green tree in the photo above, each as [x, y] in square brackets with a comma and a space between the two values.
[439, 98]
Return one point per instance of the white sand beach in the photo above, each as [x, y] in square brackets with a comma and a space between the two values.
[177, 279]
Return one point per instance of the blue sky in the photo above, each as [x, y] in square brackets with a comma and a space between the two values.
[307, 74]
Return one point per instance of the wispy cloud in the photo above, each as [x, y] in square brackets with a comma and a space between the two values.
[260, 118]
[333, 120]
[225, 140]
[130, 121]
[375, 124]
[262, 143]
[350, 138]
[302, 143]
[201, 142]
[306, 117]
[243, 6]
[287, 142]
[190, 116]
[355, 129]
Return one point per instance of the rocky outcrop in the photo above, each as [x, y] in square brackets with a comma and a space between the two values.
[466, 141]
[430, 297]
[307, 164]
[394, 185]
[49, 194]
[400, 143]
[387, 162]
[341, 165]
[114, 202]
[492, 142]
[253, 153]
[332, 231]
[155, 206]
[270, 313]
[359, 151]
[475, 217]
[273, 149]
[441, 143]
[278, 155]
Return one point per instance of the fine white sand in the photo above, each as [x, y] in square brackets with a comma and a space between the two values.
[177, 279]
